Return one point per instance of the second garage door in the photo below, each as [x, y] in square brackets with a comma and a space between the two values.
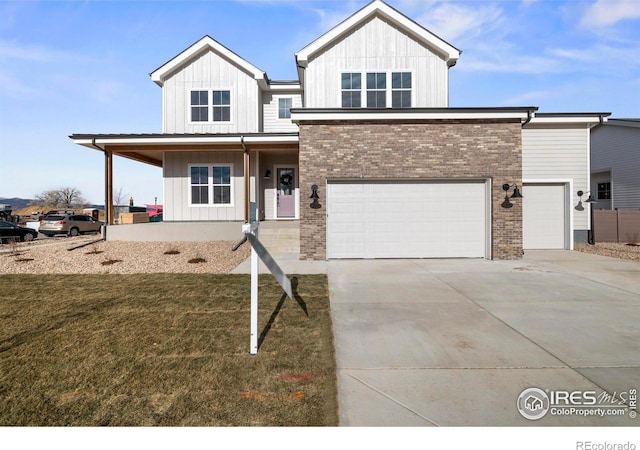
[406, 219]
[544, 216]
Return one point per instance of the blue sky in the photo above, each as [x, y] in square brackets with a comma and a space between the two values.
[83, 67]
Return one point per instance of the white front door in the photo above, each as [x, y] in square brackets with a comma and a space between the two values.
[285, 192]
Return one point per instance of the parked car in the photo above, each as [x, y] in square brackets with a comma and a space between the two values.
[10, 230]
[69, 224]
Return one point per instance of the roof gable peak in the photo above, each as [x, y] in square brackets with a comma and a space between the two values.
[206, 43]
[381, 9]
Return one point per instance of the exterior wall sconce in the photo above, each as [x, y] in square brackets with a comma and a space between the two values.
[315, 197]
[590, 237]
[516, 194]
[579, 206]
[267, 174]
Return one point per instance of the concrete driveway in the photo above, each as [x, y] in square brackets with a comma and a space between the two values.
[456, 342]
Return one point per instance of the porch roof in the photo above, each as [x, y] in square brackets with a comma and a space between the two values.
[149, 147]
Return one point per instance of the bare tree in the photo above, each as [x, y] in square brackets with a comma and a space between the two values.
[119, 197]
[66, 197]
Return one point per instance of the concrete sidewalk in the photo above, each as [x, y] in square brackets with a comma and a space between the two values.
[455, 342]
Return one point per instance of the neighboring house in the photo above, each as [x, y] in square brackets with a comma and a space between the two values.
[615, 164]
[399, 173]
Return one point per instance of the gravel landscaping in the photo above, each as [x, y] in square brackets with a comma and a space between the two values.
[613, 250]
[55, 256]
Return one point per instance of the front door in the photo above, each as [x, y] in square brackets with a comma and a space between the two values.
[286, 198]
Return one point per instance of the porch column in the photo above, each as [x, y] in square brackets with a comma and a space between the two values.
[108, 186]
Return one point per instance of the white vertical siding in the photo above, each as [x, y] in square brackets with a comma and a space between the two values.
[376, 46]
[270, 112]
[210, 71]
[558, 153]
[617, 148]
[177, 186]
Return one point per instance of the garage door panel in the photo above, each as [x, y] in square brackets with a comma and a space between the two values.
[406, 220]
[544, 220]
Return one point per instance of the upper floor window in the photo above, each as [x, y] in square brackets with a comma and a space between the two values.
[221, 106]
[284, 108]
[376, 90]
[199, 106]
[401, 89]
[351, 90]
[219, 110]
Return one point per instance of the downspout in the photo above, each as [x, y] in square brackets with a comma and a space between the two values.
[247, 183]
[106, 188]
[530, 115]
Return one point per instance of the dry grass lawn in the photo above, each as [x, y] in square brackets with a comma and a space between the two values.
[163, 350]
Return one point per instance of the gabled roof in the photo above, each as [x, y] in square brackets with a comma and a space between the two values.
[207, 43]
[380, 9]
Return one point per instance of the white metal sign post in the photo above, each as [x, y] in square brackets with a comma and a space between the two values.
[258, 251]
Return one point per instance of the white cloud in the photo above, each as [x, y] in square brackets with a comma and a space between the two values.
[527, 98]
[609, 12]
[453, 21]
[11, 86]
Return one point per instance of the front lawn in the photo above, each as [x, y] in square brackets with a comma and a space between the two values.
[163, 350]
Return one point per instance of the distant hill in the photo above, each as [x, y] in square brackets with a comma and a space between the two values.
[15, 202]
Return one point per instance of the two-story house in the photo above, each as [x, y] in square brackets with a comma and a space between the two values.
[368, 129]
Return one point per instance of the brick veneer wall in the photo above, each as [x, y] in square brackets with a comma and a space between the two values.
[427, 149]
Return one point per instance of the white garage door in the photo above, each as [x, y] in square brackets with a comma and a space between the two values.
[544, 212]
[406, 220]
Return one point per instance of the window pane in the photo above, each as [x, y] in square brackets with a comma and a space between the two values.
[376, 99]
[376, 81]
[221, 98]
[199, 195]
[346, 81]
[221, 175]
[351, 99]
[222, 195]
[371, 81]
[406, 80]
[199, 98]
[199, 175]
[199, 114]
[401, 99]
[356, 81]
[396, 80]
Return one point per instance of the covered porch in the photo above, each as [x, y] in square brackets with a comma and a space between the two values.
[261, 178]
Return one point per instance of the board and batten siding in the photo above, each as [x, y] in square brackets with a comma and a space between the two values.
[617, 149]
[207, 72]
[271, 122]
[376, 46]
[177, 185]
[558, 153]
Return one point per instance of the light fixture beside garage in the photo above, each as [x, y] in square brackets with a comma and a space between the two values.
[315, 197]
[267, 174]
[579, 206]
[516, 194]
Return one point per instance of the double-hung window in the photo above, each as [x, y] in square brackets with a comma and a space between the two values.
[199, 106]
[377, 90]
[211, 106]
[211, 185]
[401, 90]
[221, 185]
[604, 191]
[351, 90]
[284, 107]
[221, 106]
[199, 185]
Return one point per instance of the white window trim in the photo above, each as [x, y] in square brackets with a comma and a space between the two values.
[210, 166]
[232, 99]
